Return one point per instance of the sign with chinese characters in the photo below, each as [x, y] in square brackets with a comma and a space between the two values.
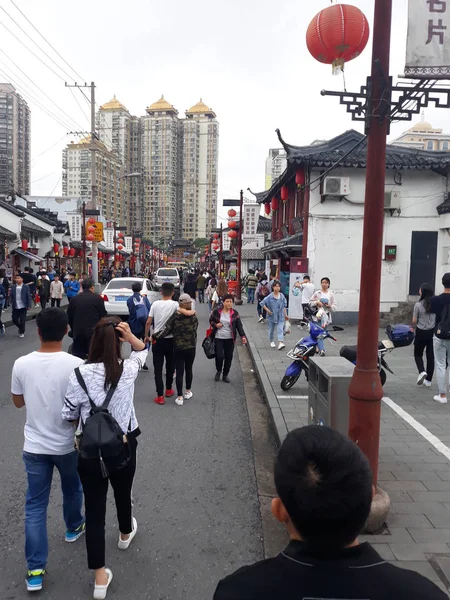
[128, 244]
[253, 242]
[98, 231]
[75, 228]
[251, 218]
[108, 235]
[428, 42]
[226, 241]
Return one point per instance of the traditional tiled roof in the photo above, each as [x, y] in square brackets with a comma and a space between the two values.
[11, 208]
[30, 226]
[6, 233]
[349, 150]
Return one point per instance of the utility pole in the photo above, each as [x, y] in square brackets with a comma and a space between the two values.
[83, 229]
[93, 175]
[365, 389]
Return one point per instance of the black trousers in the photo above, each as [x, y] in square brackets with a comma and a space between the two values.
[19, 318]
[224, 355]
[81, 343]
[95, 488]
[56, 301]
[44, 300]
[184, 360]
[163, 350]
[424, 341]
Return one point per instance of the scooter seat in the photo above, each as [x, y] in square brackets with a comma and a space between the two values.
[349, 352]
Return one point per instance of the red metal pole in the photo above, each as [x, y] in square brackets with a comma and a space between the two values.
[239, 249]
[365, 390]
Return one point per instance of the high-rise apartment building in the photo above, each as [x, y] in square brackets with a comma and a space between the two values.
[200, 148]
[76, 181]
[276, 163]
[15, 140]
[168, 168]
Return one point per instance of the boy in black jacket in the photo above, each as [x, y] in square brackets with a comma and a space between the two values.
[324, 484]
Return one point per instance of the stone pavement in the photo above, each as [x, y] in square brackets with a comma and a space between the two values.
[414, 468]
[6, 317]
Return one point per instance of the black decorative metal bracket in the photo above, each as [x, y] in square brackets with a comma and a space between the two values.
[398, 103]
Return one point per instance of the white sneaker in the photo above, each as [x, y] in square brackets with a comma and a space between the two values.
[421, 378]
[21, 335]
[281, 345]
[100, 591]
[438, 398]
[261, 319]
[273, 345]
[124, 544]
[2, 330]
[179, 401]
[427, 383]
[188, 395]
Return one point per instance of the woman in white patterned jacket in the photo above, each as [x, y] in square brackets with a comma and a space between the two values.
[103, 370]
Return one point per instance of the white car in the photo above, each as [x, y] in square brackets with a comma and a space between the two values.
[118, 290]
[167, 275]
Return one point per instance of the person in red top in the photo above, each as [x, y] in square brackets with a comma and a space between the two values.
[226, 323]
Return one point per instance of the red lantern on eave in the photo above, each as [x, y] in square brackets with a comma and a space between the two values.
[284, 193]
[24, 244]
[300, 177]
[215, 236]
[100, 254]
[66, 251]
[55, 247]
[232, 224]
[337, 34]
[232, 213]
[232, 234]
[72, 252]
[274, 203]
[267, 208]
[120, 247]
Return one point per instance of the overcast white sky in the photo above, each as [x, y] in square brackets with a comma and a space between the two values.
[247, 59]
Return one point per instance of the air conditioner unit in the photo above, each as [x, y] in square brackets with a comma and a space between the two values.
[392, 200]
[336, 186]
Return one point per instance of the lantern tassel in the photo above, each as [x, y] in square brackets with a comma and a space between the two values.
[338, 66]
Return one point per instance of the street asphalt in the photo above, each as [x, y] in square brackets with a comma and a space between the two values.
[195, 493]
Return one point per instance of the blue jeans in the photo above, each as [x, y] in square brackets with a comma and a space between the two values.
[280, 330]
[250, 295]
[441, 357]
[39, 469]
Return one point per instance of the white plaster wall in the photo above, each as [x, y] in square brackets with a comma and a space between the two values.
[10, 221]
[335, 235]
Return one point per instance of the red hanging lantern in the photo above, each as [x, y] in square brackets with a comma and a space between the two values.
[91, 220]
[100, 254]
[284, 193]
[232, 213]
[215, 236]
[55, 247]
[80, 253]
[24, 244]
[300, 177]
[232, 224]
[72, 252]
[66, 251]
[274, 203]
[267, 208]
[91, 229]
[337, 34]
[232, 234]
[120, 247]
[90, 238]
[117, 256]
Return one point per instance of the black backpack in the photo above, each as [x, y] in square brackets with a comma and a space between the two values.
[103, 438]
[443, 327]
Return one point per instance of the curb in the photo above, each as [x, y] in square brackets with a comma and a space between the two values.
[276, 414]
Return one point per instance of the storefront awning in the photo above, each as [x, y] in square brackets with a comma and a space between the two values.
[28, 255]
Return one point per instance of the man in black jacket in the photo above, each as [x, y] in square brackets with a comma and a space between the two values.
[324, 484]
[84, 311]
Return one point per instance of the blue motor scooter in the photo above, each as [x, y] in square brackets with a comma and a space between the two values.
[304, 349]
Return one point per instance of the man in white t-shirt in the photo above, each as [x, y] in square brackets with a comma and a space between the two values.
[160, 312]
[39, 382]
[307, 292]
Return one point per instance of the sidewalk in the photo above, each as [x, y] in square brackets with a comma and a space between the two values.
[414, 448]
[31, 314]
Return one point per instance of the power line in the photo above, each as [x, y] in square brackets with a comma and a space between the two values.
[34, 159]
[45, 40]
[31, 51]
[41, 90]
[35, 43]
[79, 105]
